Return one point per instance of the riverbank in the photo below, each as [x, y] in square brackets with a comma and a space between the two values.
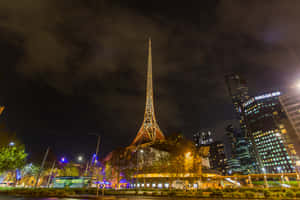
[90, 193]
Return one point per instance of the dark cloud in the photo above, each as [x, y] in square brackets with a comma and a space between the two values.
[93, 54]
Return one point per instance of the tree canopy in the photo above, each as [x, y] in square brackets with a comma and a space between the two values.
[12, 157]
[12, 152]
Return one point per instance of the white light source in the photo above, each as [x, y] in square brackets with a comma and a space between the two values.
[11, 144]
[80, 158]
[279, 169]
[296, 85]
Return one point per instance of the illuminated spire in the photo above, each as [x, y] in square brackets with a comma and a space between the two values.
[149, 130]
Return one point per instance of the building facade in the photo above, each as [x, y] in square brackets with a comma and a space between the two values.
[203, 138]
[291, 105]
[217, 157]
[238, 92]
[265, 118]
[241, 160]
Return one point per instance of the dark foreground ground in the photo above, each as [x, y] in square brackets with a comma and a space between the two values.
[114, 198]
[100, 198]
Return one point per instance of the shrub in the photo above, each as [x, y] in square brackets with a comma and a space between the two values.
[249, 194]
[199, 193]
[277, 194]
[228, 190]
[290, 194]
[237, 195]
[216, 193]
[171, 193]
[298, 194]
[267, 193]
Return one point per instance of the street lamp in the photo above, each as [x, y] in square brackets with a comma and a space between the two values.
[11, 144]
[265, 177]
[296, 85]
[80, 158]
[279, 170]
[187, 155]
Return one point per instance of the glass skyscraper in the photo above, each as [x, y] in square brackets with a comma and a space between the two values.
[265, 119]
[241, 160]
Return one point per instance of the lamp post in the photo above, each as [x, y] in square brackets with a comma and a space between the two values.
[265, 177]
[137, 165]
[280, 171]
[250, 181]
[142, 152]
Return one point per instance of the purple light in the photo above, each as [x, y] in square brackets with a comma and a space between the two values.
[95, 158]
[63, 160]
[18, 175]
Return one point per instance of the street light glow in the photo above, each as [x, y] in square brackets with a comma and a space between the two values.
[188, 154]
[80, 158]
[11, 144]
[297, 85]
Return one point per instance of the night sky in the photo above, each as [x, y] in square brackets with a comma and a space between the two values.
[72, 68]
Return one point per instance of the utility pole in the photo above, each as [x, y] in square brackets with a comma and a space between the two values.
[96, 155]
[97, 148]
[97, 151]
[42, 166]
[52, 168]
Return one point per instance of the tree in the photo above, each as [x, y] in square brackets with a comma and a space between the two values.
[12, 157]
[70, 170]
[30, 170]
[108, 172]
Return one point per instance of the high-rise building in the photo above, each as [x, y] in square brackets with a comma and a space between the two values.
[203, 138]
[240, 143]
[217, 157]
[241, 160]
[290, 102]
[265, 118]
[238, 91]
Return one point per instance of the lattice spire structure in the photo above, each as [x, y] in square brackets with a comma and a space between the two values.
[149, 131]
